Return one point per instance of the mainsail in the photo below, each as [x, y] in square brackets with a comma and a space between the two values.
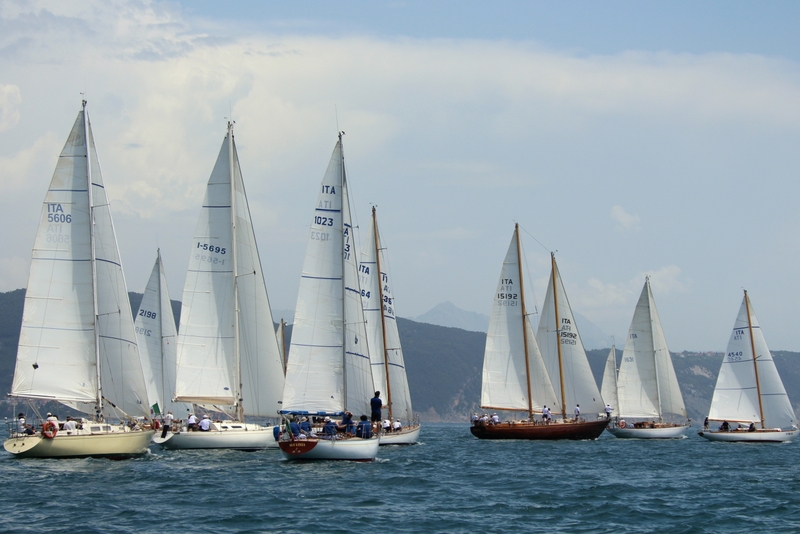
[227, 350]
[608, 390]
[563, 352]
[157, 339]
[513, 378]
[77, 341]
[742, 377]
[388, 368]
[647, 385]
[329, 364]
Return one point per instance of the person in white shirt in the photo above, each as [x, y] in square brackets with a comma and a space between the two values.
[191, 423]
[21, 422]
[546, 415]
[69, 424]
[495, 419]
[166, 422]
[205, 424]
[577, 411]
[387, 425]
[397, 426]
[608, 411]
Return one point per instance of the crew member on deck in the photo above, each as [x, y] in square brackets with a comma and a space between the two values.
[577, 412]
[376, 404]
[205, 424]
[364, 428]
[609, 409]
[166, 422]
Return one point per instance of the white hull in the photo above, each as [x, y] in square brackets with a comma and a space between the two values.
[246, 438]
[108, 444]
[407, 436]
[354, 449]
[668, 432]
[755, 437]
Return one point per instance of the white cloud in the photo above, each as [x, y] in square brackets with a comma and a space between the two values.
[625, 221]
[9, 106]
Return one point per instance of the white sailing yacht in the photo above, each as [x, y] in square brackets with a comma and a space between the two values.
[157, 337]
[386, 353]
[749, 390]
[517, 376]
[328, 372]
[608, 390]
[228, 357]
[647, 387]
[77, 343]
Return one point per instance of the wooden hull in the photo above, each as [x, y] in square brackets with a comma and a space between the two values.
[407, 436]
[105, 445]
[759, 436]
[353, 449]
[526, 430]
[246, 438]
[667, 432]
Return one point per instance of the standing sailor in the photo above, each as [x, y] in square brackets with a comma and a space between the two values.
[376, 404]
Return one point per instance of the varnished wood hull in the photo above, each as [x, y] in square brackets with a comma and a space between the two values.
[520, 430]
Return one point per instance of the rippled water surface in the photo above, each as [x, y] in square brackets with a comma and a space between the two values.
[450, 482]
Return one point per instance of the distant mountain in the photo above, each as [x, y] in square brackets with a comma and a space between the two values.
[447, 314]
[444, 365]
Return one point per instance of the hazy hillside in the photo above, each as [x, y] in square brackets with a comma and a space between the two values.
[444, 365]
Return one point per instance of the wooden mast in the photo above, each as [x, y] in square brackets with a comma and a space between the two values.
[755, 363]
[524, 324]
[558, 338]
[383, 316]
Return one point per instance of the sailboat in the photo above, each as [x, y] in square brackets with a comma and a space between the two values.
[388, 367]
[228, 358]
[77, 343]
[608, 390]
[749, 390]
[328, 372]
[647, 387]
[517, 376]
[157, 338]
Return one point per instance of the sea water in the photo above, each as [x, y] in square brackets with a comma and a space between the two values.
[449, 482]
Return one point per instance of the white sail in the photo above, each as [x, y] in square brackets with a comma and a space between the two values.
[509, 383]
[608, 390]
[736, 392]
[329, 368]
[387, 359]
[647, 385]
[559, 327]
[76, 313]
[157, 338]
[225, 357]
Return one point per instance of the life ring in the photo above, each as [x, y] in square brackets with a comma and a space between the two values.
[156, 424]
[49, 429]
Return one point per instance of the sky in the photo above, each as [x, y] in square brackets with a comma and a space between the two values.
[631, 138]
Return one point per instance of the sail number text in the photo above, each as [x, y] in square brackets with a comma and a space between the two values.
[55, 214]
[211, 248]
[147, 314]
[734, 356]
[323, 221]
[505, 295]
[143, 331]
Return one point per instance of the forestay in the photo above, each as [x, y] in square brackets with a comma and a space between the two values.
[736, 393]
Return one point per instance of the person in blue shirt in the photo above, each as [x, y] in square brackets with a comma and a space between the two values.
[295, 428]
[329, 429]
[305, 426]
[276, 431]
[364, 428]
[376, 404]
[346, 424]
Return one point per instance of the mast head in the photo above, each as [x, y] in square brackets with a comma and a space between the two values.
[340, 136]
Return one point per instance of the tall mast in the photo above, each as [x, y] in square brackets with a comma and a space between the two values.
[344, 284]
[558, 338]
[98, 407]
[163, 390]
[755, 363]
[237, 354]
[524, 322]
[655, 363]
[383, 316]
[284, 356]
